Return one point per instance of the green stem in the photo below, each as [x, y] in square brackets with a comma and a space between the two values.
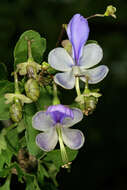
[55, 96]
[16, 83]
[96, 15]
[77, 86]
[11, 127]
[86, 90]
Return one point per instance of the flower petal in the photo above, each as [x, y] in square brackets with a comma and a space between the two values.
[95, 75]
[60, 60]
[42, 121]
[59, 112]
[47, 140]
[66, 80]
[73, 138]
[78, 116]
[78, 31]
[92, 55]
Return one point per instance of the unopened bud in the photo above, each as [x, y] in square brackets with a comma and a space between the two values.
[16, 111]
[89, 105]
[110, 11]
[32, 89]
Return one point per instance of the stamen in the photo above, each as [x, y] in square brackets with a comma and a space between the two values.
[62, 148]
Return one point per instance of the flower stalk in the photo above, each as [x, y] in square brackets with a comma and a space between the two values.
[55, 96]
[77, 87]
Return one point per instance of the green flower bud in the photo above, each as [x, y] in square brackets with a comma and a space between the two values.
[89, 104]
[16, 111]
[32, 89]
[110, 11]
[46, 67]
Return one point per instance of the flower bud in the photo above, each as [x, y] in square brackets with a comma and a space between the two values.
[31, 71]
[110, 11]
[89, 105]
[16, 111]
[32, 89]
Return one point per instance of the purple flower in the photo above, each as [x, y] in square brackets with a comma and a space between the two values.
[82, 59]
[57, 120]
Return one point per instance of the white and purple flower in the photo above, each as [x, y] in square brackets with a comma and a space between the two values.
[55, 124]
[82, 59]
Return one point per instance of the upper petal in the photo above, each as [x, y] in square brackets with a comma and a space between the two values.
[73, 138]
[60, 60]
[78, 31]
[66, 80]
[42, 121]
[47, 140]
[95, 75]
[59, 112]
[77, 117]
[92, 55]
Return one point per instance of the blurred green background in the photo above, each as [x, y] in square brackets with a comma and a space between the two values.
[102, 162]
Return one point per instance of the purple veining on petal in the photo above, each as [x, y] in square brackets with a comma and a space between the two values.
[59, 112]
[78, 32]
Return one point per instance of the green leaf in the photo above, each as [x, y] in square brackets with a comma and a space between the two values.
[3, 71]
[41, 173]
[5, 157]
[5, 87]
[6, 186]
[55, 156]
[31, 182]
[3, 144]
[38, 46]
[31, 133]
[13, 140]
[45, 98]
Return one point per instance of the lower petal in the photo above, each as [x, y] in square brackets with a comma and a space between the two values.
[73, 138]
[47, 140]
[95, 75]
[66, 80]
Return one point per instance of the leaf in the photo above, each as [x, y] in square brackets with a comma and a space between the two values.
[31, 182]
[6, 186]
[5, 158]
[45, 98]
[31, 133]
[13, 140]
[5, 87]
[41, 173]
[38, 46]
[3, 71]
[55, 156]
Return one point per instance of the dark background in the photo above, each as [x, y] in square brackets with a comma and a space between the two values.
[102, 162]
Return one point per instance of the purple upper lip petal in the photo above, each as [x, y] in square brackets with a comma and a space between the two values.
[78, 32]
